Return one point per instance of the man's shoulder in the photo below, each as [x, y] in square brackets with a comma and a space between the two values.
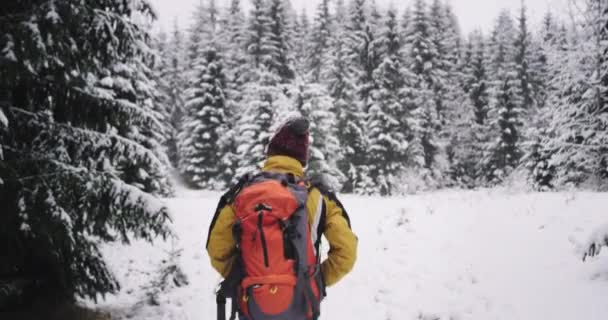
[320, 183]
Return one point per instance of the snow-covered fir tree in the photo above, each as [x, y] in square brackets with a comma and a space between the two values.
[264, 101]
[420, 52]
[258, 34]
[523, 60]
[318, 58]
[203, 124]
[577, 137]
[300, 43]
[312, 101]
[440, 64]
[388, 120]
[71, 164]
[471, 129]
[357, 86]
[233, 42]
[278, 48]
[196, 33]
[233, 38]
[170, 72]
[504, 152]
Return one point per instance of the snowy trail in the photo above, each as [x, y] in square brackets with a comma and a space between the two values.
[446, 255]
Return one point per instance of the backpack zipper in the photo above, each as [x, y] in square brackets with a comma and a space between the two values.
[263, 238]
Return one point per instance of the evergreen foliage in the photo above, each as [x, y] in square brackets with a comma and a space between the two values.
[204, 122]
[79, 122]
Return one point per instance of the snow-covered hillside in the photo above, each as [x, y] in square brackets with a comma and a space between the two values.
[446, 255]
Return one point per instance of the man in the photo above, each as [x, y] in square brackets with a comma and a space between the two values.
[288, 155]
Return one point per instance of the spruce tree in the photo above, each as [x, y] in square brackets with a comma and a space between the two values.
[420, 53]
[258, 33]
[235, 58]
[204, 123]
[264, 100]
[438, 31]
[472, 129]
[312, 101]
[72, 176]
[174, 79]
[300, 43]
[479, 80]
[577, 141]
[351, 112]
[317, 59]
[504, 152]
[278, 47]
[233, 39]
[196, 33]
[523, 60]
[387, 125]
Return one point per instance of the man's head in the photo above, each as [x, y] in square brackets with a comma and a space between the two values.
[292, 140]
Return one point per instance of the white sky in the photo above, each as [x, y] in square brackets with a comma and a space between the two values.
[471, 14]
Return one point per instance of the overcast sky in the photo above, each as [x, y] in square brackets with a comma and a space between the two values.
[471, 13]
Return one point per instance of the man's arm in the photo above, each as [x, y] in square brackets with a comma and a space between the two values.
[342, 242]
[221, 244]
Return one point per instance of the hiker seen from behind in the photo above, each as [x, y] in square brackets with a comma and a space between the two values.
[265, 236]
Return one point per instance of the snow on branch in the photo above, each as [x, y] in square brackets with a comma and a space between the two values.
[598, 239]
[93, 150]
[3, 120]
[99, 206]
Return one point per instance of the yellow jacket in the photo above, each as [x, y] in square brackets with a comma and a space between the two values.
[342, 241]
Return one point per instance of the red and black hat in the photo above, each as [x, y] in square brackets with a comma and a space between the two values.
[292, 140]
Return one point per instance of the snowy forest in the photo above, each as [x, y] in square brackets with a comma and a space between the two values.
[399, 100]
[100, 111]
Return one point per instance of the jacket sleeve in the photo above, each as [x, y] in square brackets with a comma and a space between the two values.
[342, 243]
[221, 245]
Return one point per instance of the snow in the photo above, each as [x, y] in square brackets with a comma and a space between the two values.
[3, 120]
[445, 255]
[598, 239]
[53, 16]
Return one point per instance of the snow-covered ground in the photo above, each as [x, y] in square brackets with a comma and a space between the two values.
[446, 255]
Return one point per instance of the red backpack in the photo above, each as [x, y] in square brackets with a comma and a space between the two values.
[276, 274]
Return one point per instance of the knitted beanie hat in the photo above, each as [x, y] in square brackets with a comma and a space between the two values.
[292, 140]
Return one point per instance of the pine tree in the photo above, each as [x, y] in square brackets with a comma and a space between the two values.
[264, 101]
[157, 68]
[300, 43]
[535, 160]
[233, 40]
[577, 141]
[278, 43]
[420, 53]
[196, 33]
[438, 30]
[204, 123]
[479, 80]
[313, 102]
[387, 123]
[375, 19]
[523, 60]
[173, 75]
[337, 72]
[504, 153]
[317, 59]
[472, 129]
[72, 177]
[237, 73]
[258, 29]
[355, 85]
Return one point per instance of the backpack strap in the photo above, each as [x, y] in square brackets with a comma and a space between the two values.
[227, 198]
